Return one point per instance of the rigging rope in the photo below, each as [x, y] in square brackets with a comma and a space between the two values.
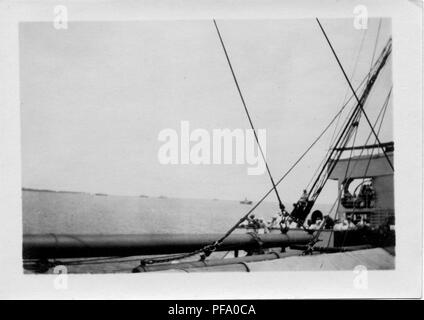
[352, 117]
[352, 77]
[321, 180]
[344, 123]
[351, 151]
[370, 81]
[353, 90]
[248, 117]
[212, 247]
[207, 250]
[381, 113]
[376, 42]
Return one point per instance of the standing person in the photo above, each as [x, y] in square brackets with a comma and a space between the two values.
[284, 223]
[304, 198]
[275, 220]
[291, 223]
[369, 195]
[263, 225]
[350, 224]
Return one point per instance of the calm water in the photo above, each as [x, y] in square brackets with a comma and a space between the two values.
[49, 212]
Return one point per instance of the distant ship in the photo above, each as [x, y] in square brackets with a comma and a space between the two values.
[101, 194]
[143, 196]
[245, 201]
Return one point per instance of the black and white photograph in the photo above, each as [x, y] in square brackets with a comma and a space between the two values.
[218, 145]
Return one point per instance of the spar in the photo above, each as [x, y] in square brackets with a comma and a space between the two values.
[77, 246]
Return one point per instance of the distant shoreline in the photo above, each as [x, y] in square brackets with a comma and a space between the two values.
[54, 191]
[141, 196]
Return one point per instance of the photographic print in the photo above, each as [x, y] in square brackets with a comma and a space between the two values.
[196, 150]
[256, 145]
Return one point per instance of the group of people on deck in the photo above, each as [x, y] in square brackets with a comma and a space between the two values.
[351, 224]
[316, 221]
[284, 221]
[362, 199]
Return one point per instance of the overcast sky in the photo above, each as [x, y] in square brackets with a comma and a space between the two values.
[94, 98]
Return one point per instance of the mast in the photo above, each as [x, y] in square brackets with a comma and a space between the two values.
[302, 208]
